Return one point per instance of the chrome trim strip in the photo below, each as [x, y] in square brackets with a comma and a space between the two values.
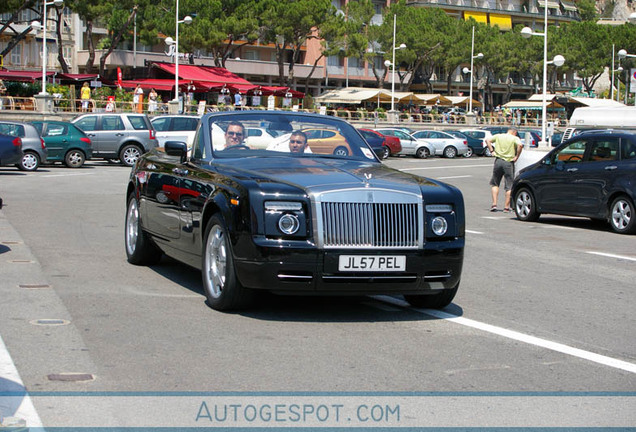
[370, 277]
[284, 276]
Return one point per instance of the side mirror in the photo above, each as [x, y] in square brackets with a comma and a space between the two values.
[176, 148]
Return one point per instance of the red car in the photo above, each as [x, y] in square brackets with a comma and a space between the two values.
[391, 144]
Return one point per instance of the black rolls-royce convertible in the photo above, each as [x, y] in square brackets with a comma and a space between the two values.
[311, 210]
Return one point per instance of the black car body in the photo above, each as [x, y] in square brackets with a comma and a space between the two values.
[267, 219]
[591, 175]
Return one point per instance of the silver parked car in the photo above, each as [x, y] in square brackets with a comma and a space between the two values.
[444, 144]
[410, 145]
[33, 147]
[124, 136]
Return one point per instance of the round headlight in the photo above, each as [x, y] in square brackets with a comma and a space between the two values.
[439, 226]
[288, 224]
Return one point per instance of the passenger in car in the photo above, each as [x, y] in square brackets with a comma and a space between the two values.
[297, 142]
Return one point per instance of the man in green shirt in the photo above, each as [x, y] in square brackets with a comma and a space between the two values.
[506, 151]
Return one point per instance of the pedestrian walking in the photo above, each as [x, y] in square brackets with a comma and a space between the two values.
[138, 98]
[238, 100]
[152, 101]
[507, 148]
[3, 90]
[85, 96]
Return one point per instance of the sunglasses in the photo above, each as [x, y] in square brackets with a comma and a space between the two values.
[237, 134]
[297, 142]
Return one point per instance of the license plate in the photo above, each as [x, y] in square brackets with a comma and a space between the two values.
[372, 263]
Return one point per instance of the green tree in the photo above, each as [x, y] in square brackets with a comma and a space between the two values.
[89, 11]
[7, 30]
[587, 10]
[288, 24]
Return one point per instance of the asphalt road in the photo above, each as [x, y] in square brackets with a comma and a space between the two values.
[542, 307]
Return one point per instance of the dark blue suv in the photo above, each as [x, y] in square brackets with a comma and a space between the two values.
[590, 175]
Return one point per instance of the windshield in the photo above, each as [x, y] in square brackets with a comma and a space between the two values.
[269, 134]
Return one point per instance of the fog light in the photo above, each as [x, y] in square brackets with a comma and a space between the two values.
[288, 224]
[439, 226]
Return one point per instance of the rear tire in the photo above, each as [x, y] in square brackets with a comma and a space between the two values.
[386, 153]
[139, 248]
[129, 154]
[30, 161]
[487, 152]
[433, 301]
[450, 152]
[341, 151]
[622, 215]
[469, 153]
[74, 159]
[525, 205]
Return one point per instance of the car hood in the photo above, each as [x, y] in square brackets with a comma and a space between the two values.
[320, 174]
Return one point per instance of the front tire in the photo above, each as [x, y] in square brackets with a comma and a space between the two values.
[433, 301]
[422, 153]
[222, 288]
[129, 155]
[525, 206]
[622, 216]
[450, 152]
[469, 153]
[30, 161]
[139, 248]
[74, 159]
[386, 152]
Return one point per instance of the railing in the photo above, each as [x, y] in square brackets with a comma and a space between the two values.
[66, 106]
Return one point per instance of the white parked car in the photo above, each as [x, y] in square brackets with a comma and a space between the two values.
[444, 144]
[479, 134]
[410, 145]
[258, 138]
[175, 128]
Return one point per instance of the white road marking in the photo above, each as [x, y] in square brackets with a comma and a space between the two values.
[9, 372]
[452, 177]
[611, 255]
[474, 232]
[64, 175]
[521, 337]
[445, 167]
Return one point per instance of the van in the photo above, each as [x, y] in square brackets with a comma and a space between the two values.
[587, 118]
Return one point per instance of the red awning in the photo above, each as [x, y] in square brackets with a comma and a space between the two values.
[281, 91]
[243, 88]
[203, 73]
[23, 76]
[150, 83]
[77, 77]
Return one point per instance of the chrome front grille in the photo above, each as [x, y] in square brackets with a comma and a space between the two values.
[371, 225]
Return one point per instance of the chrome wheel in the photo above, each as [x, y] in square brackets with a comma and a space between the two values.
[450, 152]
[622, 216]
[74, 159]
[341, 151]
[30, 162]
[525, 207]
[215, 262]
[132, 227]
[469, 153]
[386, 153]
[129, 155]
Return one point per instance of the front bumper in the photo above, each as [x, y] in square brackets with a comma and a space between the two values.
[316, 272]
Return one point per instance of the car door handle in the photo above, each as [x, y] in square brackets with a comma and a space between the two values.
[572, 169]
[611, 167]
[180, 172]
[119, 134]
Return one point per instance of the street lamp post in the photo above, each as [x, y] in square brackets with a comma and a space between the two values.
[466, 70]
[174, 104]
[392, 64]
[37, 26]
[558, 61]
[621, 55]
